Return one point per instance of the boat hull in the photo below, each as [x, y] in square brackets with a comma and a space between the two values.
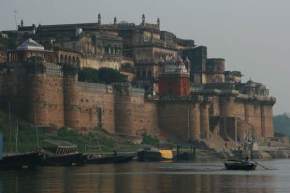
[240, 165]
[149, 156]
[20, 161]
[75, 159]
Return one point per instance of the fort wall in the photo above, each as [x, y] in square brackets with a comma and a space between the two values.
[180, 120]
[46, 100]
[133, 115]
[97, 106]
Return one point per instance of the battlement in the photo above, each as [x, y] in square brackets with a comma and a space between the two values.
[126, 89]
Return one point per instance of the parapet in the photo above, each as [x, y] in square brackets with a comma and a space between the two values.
[215, 65]
[126, 89]
[233, 76]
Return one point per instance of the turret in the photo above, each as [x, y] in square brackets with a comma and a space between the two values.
[143, 19]
[158, 22]
[174, 79]
[71, 95]
[99, 19]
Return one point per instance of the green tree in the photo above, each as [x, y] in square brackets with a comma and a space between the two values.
[103, 75]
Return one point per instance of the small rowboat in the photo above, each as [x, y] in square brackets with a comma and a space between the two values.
[240, 165]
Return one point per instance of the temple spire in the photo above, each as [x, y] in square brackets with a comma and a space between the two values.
[99, 19]
[143, 19]
[158, 22]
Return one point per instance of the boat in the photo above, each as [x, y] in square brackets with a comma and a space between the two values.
[61, 153]
[108, 159]
[154, 154]
[240, 165]
[20, 161]
[15, 161]
[185, 152]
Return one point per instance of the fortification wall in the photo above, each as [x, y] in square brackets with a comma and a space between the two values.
[71, 102]
[96, 103]
[46, 100]
[253, 116]
[267, 121]
[133, 116]
[179, 120]
[102, 63]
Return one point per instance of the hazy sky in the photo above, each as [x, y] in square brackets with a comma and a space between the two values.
[252, 35]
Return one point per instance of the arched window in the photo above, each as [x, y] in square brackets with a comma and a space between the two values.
[74, 60]
[65, 59]
[61, 59]
[78, 61]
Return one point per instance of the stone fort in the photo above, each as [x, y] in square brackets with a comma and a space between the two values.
[174, 91]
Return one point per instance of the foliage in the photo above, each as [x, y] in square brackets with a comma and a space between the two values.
[103, 75]
[282, 124]
[150, 140]
[31, 138]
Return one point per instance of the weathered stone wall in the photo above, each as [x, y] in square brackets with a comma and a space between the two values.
[133, 115]
[92, 62]
[267, 120]
[71, 101]
[47, 100]
[97, 106]
[179, 120]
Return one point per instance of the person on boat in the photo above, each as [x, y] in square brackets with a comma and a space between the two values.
[247, 159]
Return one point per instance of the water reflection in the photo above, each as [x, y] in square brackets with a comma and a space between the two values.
[140, 178]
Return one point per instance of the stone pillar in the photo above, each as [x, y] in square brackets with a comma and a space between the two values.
[39, 111]
[263, 124]
[71, 97]
[195, 122]
[204, 121]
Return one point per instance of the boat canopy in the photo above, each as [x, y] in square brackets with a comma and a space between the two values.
[59, 146]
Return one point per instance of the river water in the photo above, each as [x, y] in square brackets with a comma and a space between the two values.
[149, 178]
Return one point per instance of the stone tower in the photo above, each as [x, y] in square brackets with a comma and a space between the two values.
[36, 80]
[70, 94]
[174, 79]
[123, 117]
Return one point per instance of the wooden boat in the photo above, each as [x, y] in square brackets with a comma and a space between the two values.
[17, 160]
[20, 161]
[108, 159]
[240, 165]
[153, 154]
[185, 152]
[61, 153]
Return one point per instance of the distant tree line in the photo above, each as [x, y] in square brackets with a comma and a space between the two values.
[102, 75]
[282, 124]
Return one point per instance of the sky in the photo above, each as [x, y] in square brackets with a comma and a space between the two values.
[252, 35]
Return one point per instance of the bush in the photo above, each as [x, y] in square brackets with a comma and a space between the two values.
[150, 140]
[103, 75]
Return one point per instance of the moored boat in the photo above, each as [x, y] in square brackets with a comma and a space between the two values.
[61, 153]
[240, 165]
[14, 161]
[20, 161]
[154, 154]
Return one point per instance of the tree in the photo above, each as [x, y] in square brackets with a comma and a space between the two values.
[103, 75]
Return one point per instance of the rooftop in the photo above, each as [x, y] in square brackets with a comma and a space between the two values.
[30, 44]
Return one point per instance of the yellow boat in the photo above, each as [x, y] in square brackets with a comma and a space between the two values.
[166, 154]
